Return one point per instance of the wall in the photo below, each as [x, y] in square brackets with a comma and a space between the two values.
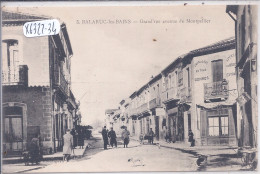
[249, 31]
[33, 52]
[38, 101]
[201, 74]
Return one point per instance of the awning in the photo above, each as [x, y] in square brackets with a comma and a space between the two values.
[144, 114]
[215, 105]
[172, 111]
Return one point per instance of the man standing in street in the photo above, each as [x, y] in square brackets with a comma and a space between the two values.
[151, 135]
[112, 136]
[105, 138]
[68, 145]
[125, 136]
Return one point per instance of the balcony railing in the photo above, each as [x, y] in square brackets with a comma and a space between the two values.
[154, 103]
[61, 82]
[216, 91]
[169, 94]
[184, 94]
[15, 77]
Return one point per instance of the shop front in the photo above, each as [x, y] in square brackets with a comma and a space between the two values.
[218, 125]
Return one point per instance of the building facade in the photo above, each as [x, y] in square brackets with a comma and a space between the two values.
[245, 19]
[37, 96]
[197, 92]
[213, 110]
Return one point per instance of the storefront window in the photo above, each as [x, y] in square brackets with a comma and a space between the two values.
[213, 126]
[218, 126]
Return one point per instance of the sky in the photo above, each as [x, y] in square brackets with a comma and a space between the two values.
[111, 61]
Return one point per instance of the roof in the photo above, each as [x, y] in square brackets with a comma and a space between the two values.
[142, 89]
[172, 65]
[133, 95]
[154, 79]
[122, 102]
[222, 45]
[226, 43]
[16, 18]
[110, 111]
[232, 8]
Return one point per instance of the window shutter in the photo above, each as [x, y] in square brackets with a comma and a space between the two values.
[203, 121]
[217, 70]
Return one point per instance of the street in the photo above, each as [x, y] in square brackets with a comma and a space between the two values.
[147, 157]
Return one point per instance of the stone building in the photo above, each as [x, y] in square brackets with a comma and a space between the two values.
[245, 20]
[37, 96]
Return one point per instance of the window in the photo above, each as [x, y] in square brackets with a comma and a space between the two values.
[158, 89]
[180, 78]
[213, 126]
[217, 70]
[10, 72]
[170, 81]
[188, 76]
[176, 78]
[218, 126]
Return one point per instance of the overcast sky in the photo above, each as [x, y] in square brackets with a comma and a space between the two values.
[111, 61]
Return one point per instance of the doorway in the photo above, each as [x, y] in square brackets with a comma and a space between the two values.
[13, 129]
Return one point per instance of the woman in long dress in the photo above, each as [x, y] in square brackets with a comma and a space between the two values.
[68, 145]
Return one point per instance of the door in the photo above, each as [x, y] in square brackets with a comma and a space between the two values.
[141, 127]
[157, 127]
[13, 130]
[189, 122]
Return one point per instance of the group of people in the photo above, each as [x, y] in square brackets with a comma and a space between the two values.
[109, 137]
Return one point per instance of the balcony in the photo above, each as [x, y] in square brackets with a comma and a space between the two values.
[15, 77]
[154, 103]
[169, 95]
[61, 83]
[184, 94]
[132, 112]
[143, 108]
[216, 91]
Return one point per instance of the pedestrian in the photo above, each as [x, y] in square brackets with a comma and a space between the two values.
[105, 137]
[141, 138]
[191, 139]
[68, 145]
[112, 137]
[74, 134]
[81, 139]
[35, 149]
[125, 137]
[151, 135]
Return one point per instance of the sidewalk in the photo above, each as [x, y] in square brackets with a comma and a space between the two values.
[218, 157]
[16, 164]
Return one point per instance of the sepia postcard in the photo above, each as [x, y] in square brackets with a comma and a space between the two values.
[129, 87]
